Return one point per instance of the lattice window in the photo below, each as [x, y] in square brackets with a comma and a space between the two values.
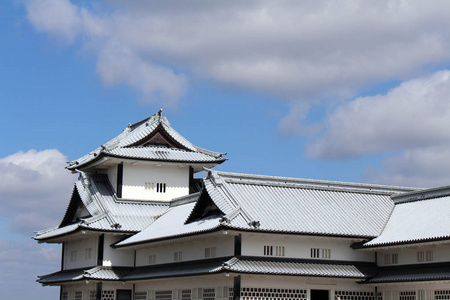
[65, 296]
[379, 296]
[248, 293]
[354, 295]
[140, 296]
[441, 294]
[186, 294]
[230, 293]
[407, 295]
[108, 295]
[93, 295]
[209, 294]
[78, 295]
[163, 295]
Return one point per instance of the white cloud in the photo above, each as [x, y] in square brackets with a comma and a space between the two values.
[427, 167]
[414, 115]
[291, 49]
[35, 189]
[21, 263]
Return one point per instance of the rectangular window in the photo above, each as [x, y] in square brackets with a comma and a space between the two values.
[152, 259]
[209, 294]
[315, 252]
[186, 295]
[407, 295]
[87, 253]
[73, 255]
[268, 250]
[391, 259]
[140, 296]
[78, 295]
[210, 252]
[150, 186]
[163, 295]
[423, 256]
[320, 253]
[160, 187]
[279, 250]
[178, 256]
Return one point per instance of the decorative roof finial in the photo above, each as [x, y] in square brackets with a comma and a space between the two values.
[160, 112]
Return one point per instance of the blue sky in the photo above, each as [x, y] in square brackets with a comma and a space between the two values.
[345, 91]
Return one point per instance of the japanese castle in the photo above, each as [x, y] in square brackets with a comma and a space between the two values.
[139, 225]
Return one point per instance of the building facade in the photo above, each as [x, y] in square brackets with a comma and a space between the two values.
[139, 225]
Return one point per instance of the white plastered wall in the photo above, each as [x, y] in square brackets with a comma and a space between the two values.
[135, 177]
[191, 249]
[76, 253]
[115, 257]
[427, 289]
[408, 255]
[300, 246]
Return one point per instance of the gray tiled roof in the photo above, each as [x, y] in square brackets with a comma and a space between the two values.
[91, 273]
[247, 265]
[411, 222]
[301, 206]
[300, 268]
[107, 212]
[155, 153]
[124, 145]
[411, 273]
[171, 225]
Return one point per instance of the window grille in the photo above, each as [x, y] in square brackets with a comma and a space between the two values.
[326, 253]
[149, 186]
[407, 295]
[441, 294]
[209, 294]
[163, 295]
[152, 259]
[186, 294]
[391, 259]
[320, 253]
[210, 252]
[108, 295]
[268, 250]
[178, 256]
[65, 296]
[78, 295]
[354, 295]
[140, 296]
[279, 250]
[424, 256]
[248, 293]
[87, 253]
[160, 187]
[92, 295]
[73, 255]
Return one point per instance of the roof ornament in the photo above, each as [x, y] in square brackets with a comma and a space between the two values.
[116, 226]
[254, 224]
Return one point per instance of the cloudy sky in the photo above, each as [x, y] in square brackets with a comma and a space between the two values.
[335, 90]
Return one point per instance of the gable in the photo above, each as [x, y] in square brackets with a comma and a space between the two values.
[204, 207]
[75, 211]
[159, 137]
